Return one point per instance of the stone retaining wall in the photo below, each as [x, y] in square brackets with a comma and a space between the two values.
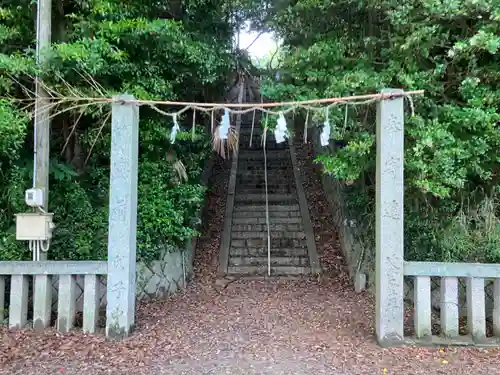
[359, 257]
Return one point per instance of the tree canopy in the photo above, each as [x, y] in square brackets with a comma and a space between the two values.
[176, 50]
[184, 50]
[451, 50]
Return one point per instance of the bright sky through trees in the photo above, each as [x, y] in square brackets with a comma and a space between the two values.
[261, 47]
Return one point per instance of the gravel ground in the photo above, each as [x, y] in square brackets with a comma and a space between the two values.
[244, 327]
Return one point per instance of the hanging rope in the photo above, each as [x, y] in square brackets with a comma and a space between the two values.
[267, 201]
[251, 131]
[305, 127]
[193, 130]
[325, 132]
[251, 106]
[81, 103]
[263, 107]
[212, 119]
[312, 105]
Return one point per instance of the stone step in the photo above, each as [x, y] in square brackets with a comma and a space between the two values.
[258, 164]
[235, 235]
[271, 157]
[262, 270]
[257, 135]
[271, 198]
[255, 163]
[256, 182]
[281, 172]
[257, 144]
[256, 138]
[245, 146]
[259, 154]
[240, 189]
[246, 129]
[264, 278]
[275, 242]
[249, 213]
[262, 252]
[262, 185]
[274, 174]
[247, 125]
[262, 208]
[272, 220]
[276, 179]
[259, 159]
[271, 146]
[254, 155]
[260, 171]
[261, 189]
[272, 180]
[245, 133]
[263, 227]
[262, 261]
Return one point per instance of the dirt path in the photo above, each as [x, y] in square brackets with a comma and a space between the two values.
[247, 328]
[244, 327]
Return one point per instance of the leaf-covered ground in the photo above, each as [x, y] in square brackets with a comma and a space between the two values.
[245, 327]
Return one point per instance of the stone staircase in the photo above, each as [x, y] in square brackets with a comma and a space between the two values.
[245, 248]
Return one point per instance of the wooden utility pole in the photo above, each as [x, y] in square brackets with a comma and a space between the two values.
[42, 110]
[42, 106]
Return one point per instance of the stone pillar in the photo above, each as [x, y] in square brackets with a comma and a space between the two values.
[120, 310]
[389, 220]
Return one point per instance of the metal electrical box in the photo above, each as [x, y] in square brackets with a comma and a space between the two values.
[34, 197]
[34, 226]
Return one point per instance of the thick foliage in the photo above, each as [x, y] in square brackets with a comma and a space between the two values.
[171, 50]
[451, 50]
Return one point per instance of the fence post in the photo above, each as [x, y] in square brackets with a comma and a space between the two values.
[389, 220]
[121, 288]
